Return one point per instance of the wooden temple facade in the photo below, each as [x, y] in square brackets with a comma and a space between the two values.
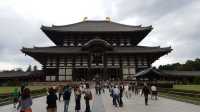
[91, 50]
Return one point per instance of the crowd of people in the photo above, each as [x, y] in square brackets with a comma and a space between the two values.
[65, 93]
[116, 90]
[119, 89]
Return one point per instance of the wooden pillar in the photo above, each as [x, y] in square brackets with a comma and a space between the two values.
[105, 75]
[136, 64]
[57, 67]
[73, 66]
[128, 60]
[44, 70]
[89, 66]
[148, 62]
[120, 66]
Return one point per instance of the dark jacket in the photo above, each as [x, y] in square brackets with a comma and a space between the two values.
[67, 94]
[51, 101]
[145, 91]
[121, 91]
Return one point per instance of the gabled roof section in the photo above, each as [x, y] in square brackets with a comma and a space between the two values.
[20, 74]
[97, 42]
[96, 26]
[155, 73]
[182, 73]
[14, 74]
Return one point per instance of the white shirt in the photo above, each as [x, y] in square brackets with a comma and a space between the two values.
[153, 88]
[126, 87]
[116, 91]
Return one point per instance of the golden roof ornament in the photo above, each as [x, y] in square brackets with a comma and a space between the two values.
[108, 19]
[85, 18]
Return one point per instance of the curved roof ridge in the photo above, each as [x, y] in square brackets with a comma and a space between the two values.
[39, 47]
[97, 39]
[149, 46]
[131, 25]
[76, 23]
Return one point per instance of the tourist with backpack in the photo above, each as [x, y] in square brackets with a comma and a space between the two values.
[87, 97]
[66, 97]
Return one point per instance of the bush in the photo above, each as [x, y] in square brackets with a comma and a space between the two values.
[38, 91]
[165, 85]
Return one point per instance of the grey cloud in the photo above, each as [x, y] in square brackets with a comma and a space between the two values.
[175, 22]
[17, 32]
[150, 10]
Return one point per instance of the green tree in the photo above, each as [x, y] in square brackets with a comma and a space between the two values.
[189, 65]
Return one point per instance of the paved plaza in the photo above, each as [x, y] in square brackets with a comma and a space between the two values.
[103, 103]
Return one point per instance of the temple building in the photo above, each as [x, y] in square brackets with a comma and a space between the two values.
[92, 49]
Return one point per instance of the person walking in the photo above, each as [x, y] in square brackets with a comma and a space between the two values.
[15, 96]
[136, 88]
[66, 97]
[154, 92]
[87, 97]
[111, 90]
[126, 90]
[121, 89]
[116, 93]
[25, 101]
[97, 88]
[51, 100]
[77, 94]
[60, 92]
[129, 91]
[21, 90]
[146, 92]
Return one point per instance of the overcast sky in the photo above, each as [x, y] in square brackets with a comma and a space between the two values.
[176, 23]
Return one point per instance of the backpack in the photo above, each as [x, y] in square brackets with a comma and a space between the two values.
[88, 95]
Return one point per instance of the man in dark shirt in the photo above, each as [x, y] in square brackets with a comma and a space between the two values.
[66, 97]
[146, 92]
[51, 101]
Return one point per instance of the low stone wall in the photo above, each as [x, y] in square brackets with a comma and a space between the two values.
[8, 98]
[71, 83]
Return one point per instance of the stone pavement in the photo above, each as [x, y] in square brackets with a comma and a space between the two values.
[136, 104]
[103, 103]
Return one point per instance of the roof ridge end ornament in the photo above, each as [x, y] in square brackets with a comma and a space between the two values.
[108, 19]
[85, 18]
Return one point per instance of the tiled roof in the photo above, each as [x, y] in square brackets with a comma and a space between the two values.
[182, 73]
[17, 74]
[65, 50]
[167, 73]
[96, 26]
[14, 74]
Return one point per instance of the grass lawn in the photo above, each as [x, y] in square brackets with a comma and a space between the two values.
[187, 87]
[188, 99]
[10, 89]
